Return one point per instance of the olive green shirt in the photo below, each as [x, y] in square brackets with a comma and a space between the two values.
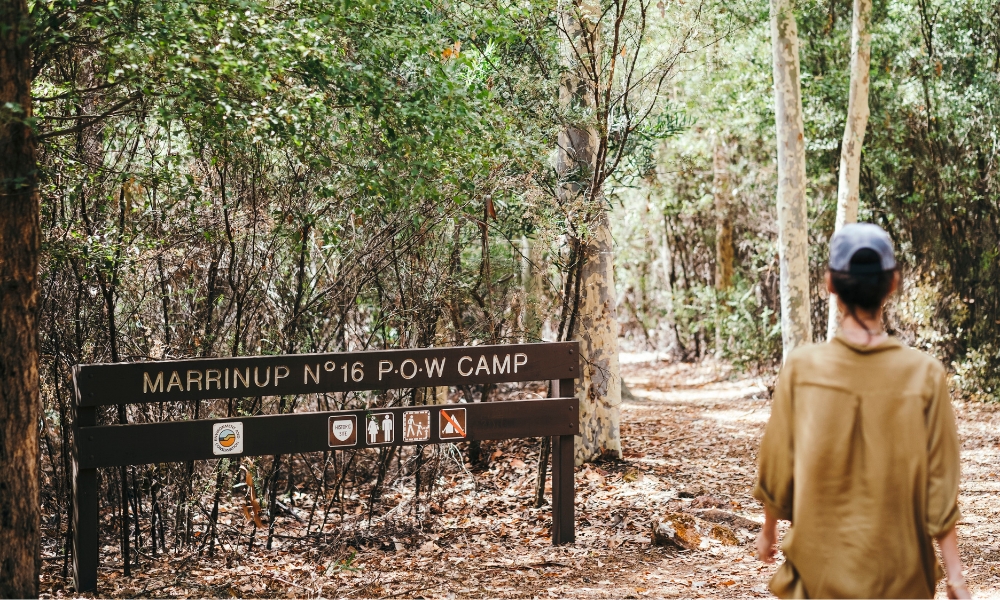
[861, 454]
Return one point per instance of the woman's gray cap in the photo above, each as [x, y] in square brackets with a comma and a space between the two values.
[860, 236]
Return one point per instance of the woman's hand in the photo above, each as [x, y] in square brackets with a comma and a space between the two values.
[953, 565]
[766, 543]
[959, 590]
[767, 539]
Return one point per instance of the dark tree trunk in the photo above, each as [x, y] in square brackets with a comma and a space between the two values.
[20, 550]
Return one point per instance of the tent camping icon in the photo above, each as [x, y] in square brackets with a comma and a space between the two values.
[451, 425]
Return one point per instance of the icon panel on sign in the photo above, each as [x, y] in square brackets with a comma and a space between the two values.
[451, 425]
[379, 428]
[417, 426]
[343, 431]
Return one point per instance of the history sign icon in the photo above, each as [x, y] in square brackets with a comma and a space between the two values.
[343, 430]
[379, 428]
[451, 425]
[416, 426]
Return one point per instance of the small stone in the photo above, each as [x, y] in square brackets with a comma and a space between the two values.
[724, 535]
[677, 530]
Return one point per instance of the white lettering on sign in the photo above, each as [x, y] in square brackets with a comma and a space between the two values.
[152, 386]
[280, 372]
[483, 365]
[203, 379]
[384, 366]
[462, 360]
[192, 379]
[175, 379]
[413, 368]
[309, 373]
[501, 364]
[244, 377]
[209, 378]
[433, 365]
[267, 377]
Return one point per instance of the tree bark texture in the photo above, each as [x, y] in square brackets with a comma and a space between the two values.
[722, 192]
[600, 388]
[20, 541]
[723, 218]
[599, 383]
[848, 186]
[793, 225]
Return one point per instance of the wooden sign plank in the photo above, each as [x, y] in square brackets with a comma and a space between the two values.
[178, 441]
[199, 379]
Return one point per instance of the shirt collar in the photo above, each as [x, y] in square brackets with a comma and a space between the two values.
[889, 343]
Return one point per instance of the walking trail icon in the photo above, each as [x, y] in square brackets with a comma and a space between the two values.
[417, 426]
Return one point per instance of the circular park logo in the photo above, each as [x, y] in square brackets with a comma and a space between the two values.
[227, 438]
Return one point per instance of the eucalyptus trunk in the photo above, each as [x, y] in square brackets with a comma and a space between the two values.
[848, 193]
[595, 317]
[793, 223]
[20, 526]
[600, 388]
[722, 192]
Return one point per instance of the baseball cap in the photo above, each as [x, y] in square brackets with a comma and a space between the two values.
[846, 242]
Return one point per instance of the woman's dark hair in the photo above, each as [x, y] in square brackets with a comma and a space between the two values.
[865, 285]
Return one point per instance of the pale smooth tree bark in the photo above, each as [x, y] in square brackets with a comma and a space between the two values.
[793, 225]
[854, 132]
[20, 242]
[599, 384]
[600, 389]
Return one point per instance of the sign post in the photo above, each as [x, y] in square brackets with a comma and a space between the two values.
[96, 446]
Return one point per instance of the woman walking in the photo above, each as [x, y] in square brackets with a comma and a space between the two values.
[861, 451]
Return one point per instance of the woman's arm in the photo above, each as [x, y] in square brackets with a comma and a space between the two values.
[767, 539]
[953, 565]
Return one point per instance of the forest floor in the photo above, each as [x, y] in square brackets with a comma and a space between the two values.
[689, 436]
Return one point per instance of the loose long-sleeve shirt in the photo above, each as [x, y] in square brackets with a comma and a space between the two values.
[861, 454]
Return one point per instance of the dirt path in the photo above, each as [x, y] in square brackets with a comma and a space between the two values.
[690, 437]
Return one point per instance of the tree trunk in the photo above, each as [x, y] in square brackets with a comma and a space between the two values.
[723, 236]
[595, 319]
[854, 132]
[600, 388]
[793, 223]
[20, 535]
[723, 219]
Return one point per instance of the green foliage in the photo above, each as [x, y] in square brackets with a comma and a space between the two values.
[929, 169]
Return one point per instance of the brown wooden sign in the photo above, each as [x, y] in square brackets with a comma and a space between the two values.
[96, 446]
[200, 379]
[181, 441]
